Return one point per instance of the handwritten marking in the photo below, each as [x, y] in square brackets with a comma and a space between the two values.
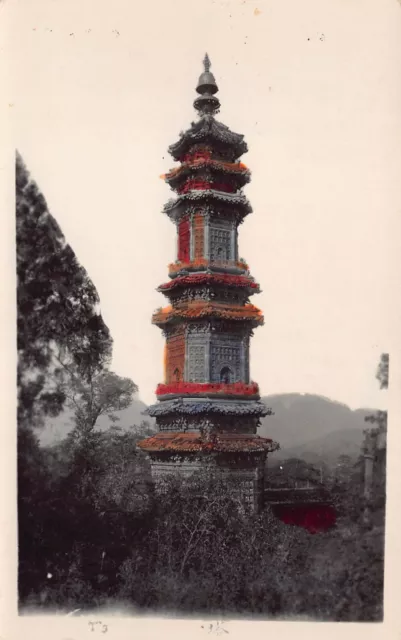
[215, 628]
[257, 12]
[102, 629]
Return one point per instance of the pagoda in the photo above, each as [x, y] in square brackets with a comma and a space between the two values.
[208, 410]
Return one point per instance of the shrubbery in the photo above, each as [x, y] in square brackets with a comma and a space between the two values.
[190, 547]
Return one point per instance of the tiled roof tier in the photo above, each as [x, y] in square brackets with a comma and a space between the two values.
[208, 389]
[225, 280]
[193, 442]
[236, 169]
[208, 129]
[202, 195]
[300, 495]
[202, 263]
[199, 309]
[198, 407]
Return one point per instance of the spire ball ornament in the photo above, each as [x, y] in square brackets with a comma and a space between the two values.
[207, 103]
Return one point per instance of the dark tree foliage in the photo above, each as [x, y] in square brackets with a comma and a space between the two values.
[56, 315]
[192, 548]
[383, 371]
[293, 472]
[56, 308]
[382, 375]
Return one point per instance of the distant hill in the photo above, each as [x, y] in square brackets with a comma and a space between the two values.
[313, 427]
[57, 428]
[328, 447]
[307, 426]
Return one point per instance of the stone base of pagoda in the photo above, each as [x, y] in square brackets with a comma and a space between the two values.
[241, 458]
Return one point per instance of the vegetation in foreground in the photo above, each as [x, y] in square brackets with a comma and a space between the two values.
[93, 532]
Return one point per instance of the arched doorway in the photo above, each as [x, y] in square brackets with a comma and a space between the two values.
[226, 375]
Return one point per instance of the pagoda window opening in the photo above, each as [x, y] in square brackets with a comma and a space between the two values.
[226, 375]
[177, 375]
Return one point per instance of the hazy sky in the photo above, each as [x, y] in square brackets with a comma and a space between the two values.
[100, 89]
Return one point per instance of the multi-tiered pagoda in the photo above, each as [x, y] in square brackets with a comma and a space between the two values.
[208, 408]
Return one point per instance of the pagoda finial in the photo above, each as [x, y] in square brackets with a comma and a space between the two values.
[207, 103]
[206, 63]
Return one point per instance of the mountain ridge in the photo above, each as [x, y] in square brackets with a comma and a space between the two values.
[314, 425]
[305, 425]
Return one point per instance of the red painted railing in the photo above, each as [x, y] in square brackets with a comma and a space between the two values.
[189, 388]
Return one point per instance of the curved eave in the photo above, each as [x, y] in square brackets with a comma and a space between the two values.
[297, 496]
[207, 128]
[189, 268]
[211, 195]
[175, 177]
[163, 318]
[247, 285]
[172, 321]
[194, 443]
[201, 407]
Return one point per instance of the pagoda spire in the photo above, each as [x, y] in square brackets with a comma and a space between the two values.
[207, 103]
[206, 63]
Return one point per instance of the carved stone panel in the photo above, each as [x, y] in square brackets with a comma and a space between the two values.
[196, 365]
[220, 241]
[198, 234]
[175, 354]
[184, 234]
[225, 358]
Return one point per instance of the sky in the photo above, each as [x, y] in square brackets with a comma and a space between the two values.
[99, 90]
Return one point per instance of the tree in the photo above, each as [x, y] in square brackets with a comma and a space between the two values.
[104, 393]
[57, 310]
[383, 371]
[293, 472]
[382, 375]
[205, 552]
[57, 307]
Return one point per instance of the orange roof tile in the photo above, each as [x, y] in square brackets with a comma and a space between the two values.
[193, 442]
